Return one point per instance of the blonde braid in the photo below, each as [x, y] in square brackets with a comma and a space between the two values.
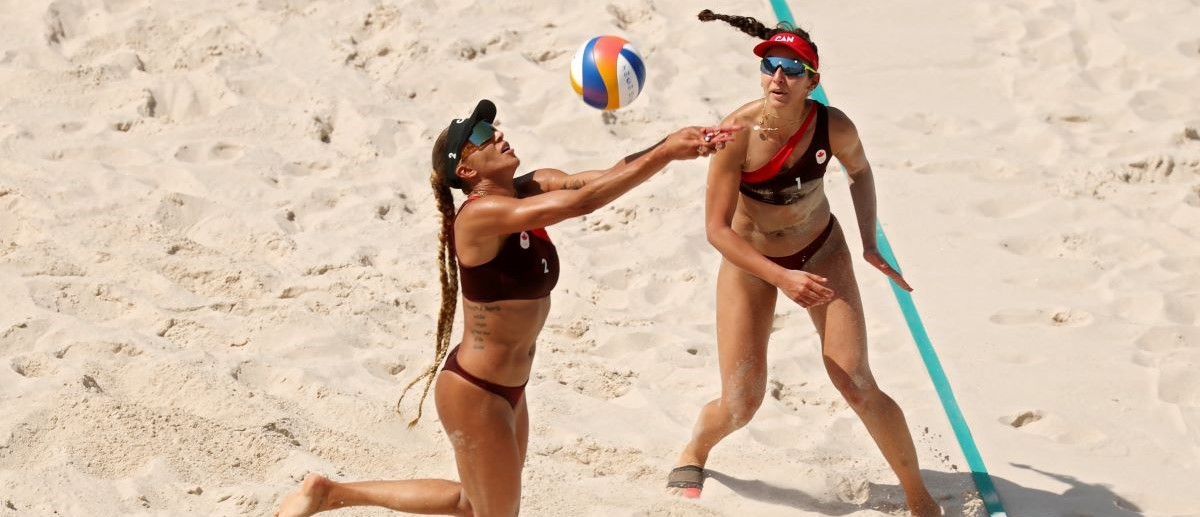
[448, 274]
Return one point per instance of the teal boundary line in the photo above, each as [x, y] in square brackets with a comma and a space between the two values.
[983, 480]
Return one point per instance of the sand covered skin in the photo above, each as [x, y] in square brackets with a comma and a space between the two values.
[217, 248]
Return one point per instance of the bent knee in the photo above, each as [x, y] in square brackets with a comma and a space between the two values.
[741, 408]
[858, 390]
[861, 395]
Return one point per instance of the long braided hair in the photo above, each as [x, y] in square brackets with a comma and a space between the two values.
[756, 28]
[447, 274]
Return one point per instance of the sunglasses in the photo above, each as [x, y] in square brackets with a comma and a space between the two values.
[791, 67]
[482, 133]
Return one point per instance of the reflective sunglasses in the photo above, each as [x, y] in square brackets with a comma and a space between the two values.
[482, 133]
[791, 67]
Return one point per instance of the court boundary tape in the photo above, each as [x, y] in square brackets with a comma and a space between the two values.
[983, 480]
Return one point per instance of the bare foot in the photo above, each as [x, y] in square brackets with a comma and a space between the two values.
[924, 506]
[307, 499]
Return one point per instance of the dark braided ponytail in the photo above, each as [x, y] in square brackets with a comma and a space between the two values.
[756, 28]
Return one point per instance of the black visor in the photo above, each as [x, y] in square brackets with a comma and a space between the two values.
[456, 139]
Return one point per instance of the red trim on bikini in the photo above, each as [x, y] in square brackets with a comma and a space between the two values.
[771, 168]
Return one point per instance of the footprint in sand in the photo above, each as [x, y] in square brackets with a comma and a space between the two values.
[1182, 264]
[1157, 105]
[1177, 366]
[181, 99]
[180, 211]
[189, 334]
[89, 350]
[1182, 308]
[800, 395]
[62, 21]
[593, 378]
[630, 14]
[1009, 207]
[633, 343]
[1021, 419]
[603, 460]
[1160, 340]
[1059, 430]
[1049, 317]
[218, 152]
[70, 127]
[116, 157]
[384, 369]
[22, 336]
[1069, 245]
[90, 302]
[33, 366]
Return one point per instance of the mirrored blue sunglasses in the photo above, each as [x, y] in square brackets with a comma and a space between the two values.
[482, 133]
[791, 67]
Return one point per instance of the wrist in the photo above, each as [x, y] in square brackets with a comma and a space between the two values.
[776, 275]
[659, 155]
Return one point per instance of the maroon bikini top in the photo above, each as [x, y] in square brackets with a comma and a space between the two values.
[526, 268]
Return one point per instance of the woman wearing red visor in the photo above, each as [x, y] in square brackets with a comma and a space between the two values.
[779, 234]
[497, 245]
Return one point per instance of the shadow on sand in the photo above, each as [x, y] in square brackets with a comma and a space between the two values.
[956, 493]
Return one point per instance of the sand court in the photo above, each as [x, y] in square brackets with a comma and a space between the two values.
[218, 244]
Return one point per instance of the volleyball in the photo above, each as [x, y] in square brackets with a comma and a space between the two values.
[607, 72]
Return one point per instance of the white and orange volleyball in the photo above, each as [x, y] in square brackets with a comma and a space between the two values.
[607, 72]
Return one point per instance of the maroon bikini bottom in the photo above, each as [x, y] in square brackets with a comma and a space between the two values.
[798, 259]
[512, 394]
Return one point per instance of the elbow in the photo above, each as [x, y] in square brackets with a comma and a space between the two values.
[586, 207]
[714, 234]
[583, 205]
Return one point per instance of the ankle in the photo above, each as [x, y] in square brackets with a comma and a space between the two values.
[691, 457]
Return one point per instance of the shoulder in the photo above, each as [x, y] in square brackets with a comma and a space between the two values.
[842, 131]
[483, 208]
[746, 116]
[839, 121]
[747, 112]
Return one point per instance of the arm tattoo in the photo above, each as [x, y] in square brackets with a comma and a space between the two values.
[639, 154]
[573, 184]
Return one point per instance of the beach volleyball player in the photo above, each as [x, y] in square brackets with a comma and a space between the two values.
[497, 245]
[767, 213]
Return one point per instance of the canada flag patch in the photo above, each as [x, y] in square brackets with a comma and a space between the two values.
[821, 156]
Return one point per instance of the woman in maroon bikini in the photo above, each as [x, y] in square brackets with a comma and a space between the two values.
[779, 235]
[508, 267]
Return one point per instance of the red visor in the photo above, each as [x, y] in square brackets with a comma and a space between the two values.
[792, 41]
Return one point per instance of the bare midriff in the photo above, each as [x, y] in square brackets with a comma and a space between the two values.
[781, 230]
[500, 338]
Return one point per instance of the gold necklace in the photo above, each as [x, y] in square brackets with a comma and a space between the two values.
[762, 118]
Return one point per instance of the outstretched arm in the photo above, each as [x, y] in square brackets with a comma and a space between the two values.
[502, 215]
[848, 149]
[549, 180]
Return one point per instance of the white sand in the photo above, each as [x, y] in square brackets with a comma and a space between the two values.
[217, 238]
